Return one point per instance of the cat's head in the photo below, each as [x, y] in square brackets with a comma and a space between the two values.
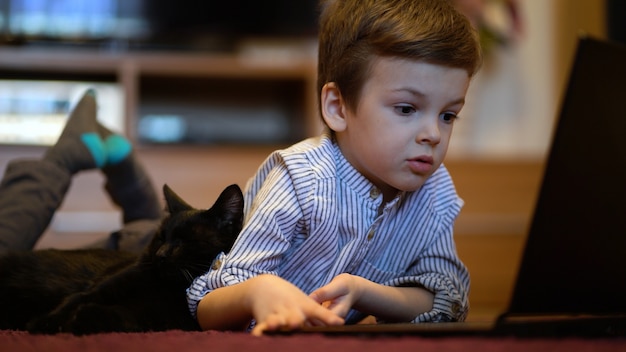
[189, 239]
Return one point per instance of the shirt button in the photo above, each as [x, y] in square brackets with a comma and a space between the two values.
[374, 193]
[216, 264]
[370, 235]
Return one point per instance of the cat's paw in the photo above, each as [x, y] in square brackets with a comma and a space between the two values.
[94, 318]
[47, 324]
[56, 321]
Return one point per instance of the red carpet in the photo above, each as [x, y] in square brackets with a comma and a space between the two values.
[179, 341]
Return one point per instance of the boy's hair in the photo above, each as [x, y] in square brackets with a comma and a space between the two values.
[353, 32]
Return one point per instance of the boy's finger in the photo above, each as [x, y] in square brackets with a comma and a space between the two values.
[258, 329]
[320, 295]
[327, 317]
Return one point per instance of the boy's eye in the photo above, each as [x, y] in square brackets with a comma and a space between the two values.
[405, 109]
[448, 117]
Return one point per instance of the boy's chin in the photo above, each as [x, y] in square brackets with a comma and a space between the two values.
[411, 186]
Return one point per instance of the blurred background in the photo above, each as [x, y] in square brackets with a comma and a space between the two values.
[206, 89]
[528, 46]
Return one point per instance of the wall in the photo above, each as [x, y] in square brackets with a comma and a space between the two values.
[514, 99]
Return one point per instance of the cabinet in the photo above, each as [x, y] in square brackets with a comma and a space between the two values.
[242, 97]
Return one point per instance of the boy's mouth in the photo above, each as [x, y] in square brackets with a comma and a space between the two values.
[421, 164]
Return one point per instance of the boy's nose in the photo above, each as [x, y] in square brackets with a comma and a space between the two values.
[428, 131]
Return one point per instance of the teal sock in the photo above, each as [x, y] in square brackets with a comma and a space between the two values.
[118, 148]
[96, 147]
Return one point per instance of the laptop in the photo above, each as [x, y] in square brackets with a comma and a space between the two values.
[572, 276]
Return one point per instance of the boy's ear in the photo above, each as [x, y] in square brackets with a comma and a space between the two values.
[333, 107]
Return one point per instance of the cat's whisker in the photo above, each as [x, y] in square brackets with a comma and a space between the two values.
[198, 268]
[187, 275]
[202, 266]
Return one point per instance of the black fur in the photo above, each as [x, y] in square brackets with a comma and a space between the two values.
[90, 291]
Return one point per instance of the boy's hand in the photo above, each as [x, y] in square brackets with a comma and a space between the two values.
[339, 295]
[388, 303]
[278, 304]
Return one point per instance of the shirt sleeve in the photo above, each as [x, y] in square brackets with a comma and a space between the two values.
[273, 218]
[448, 278]
[439, 270]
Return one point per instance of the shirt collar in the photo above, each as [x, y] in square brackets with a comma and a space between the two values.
[357, 182]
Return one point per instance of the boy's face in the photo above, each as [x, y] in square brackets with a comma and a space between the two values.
[399, 134]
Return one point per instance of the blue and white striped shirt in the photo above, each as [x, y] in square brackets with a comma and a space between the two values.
[311, 216]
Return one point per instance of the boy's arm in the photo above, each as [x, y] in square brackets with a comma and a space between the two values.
[273, 302]
[435, 288]
[388, 303]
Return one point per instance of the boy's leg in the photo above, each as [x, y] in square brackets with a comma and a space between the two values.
[127, 182]
[133, 237]
[129, 187]
[31, 191]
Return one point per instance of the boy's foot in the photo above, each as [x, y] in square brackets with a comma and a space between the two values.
[116, 146]
[127, 183]
[80, 147]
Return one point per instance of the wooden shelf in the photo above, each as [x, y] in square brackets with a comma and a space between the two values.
[135, 71]
[219, 64]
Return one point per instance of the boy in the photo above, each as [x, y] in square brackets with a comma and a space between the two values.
[358, 221]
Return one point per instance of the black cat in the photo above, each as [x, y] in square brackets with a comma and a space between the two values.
[90, 291]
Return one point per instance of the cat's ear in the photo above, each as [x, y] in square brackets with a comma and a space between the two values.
[230, 202]
[173, 201]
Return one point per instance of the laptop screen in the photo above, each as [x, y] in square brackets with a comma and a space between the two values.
[575, 256]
